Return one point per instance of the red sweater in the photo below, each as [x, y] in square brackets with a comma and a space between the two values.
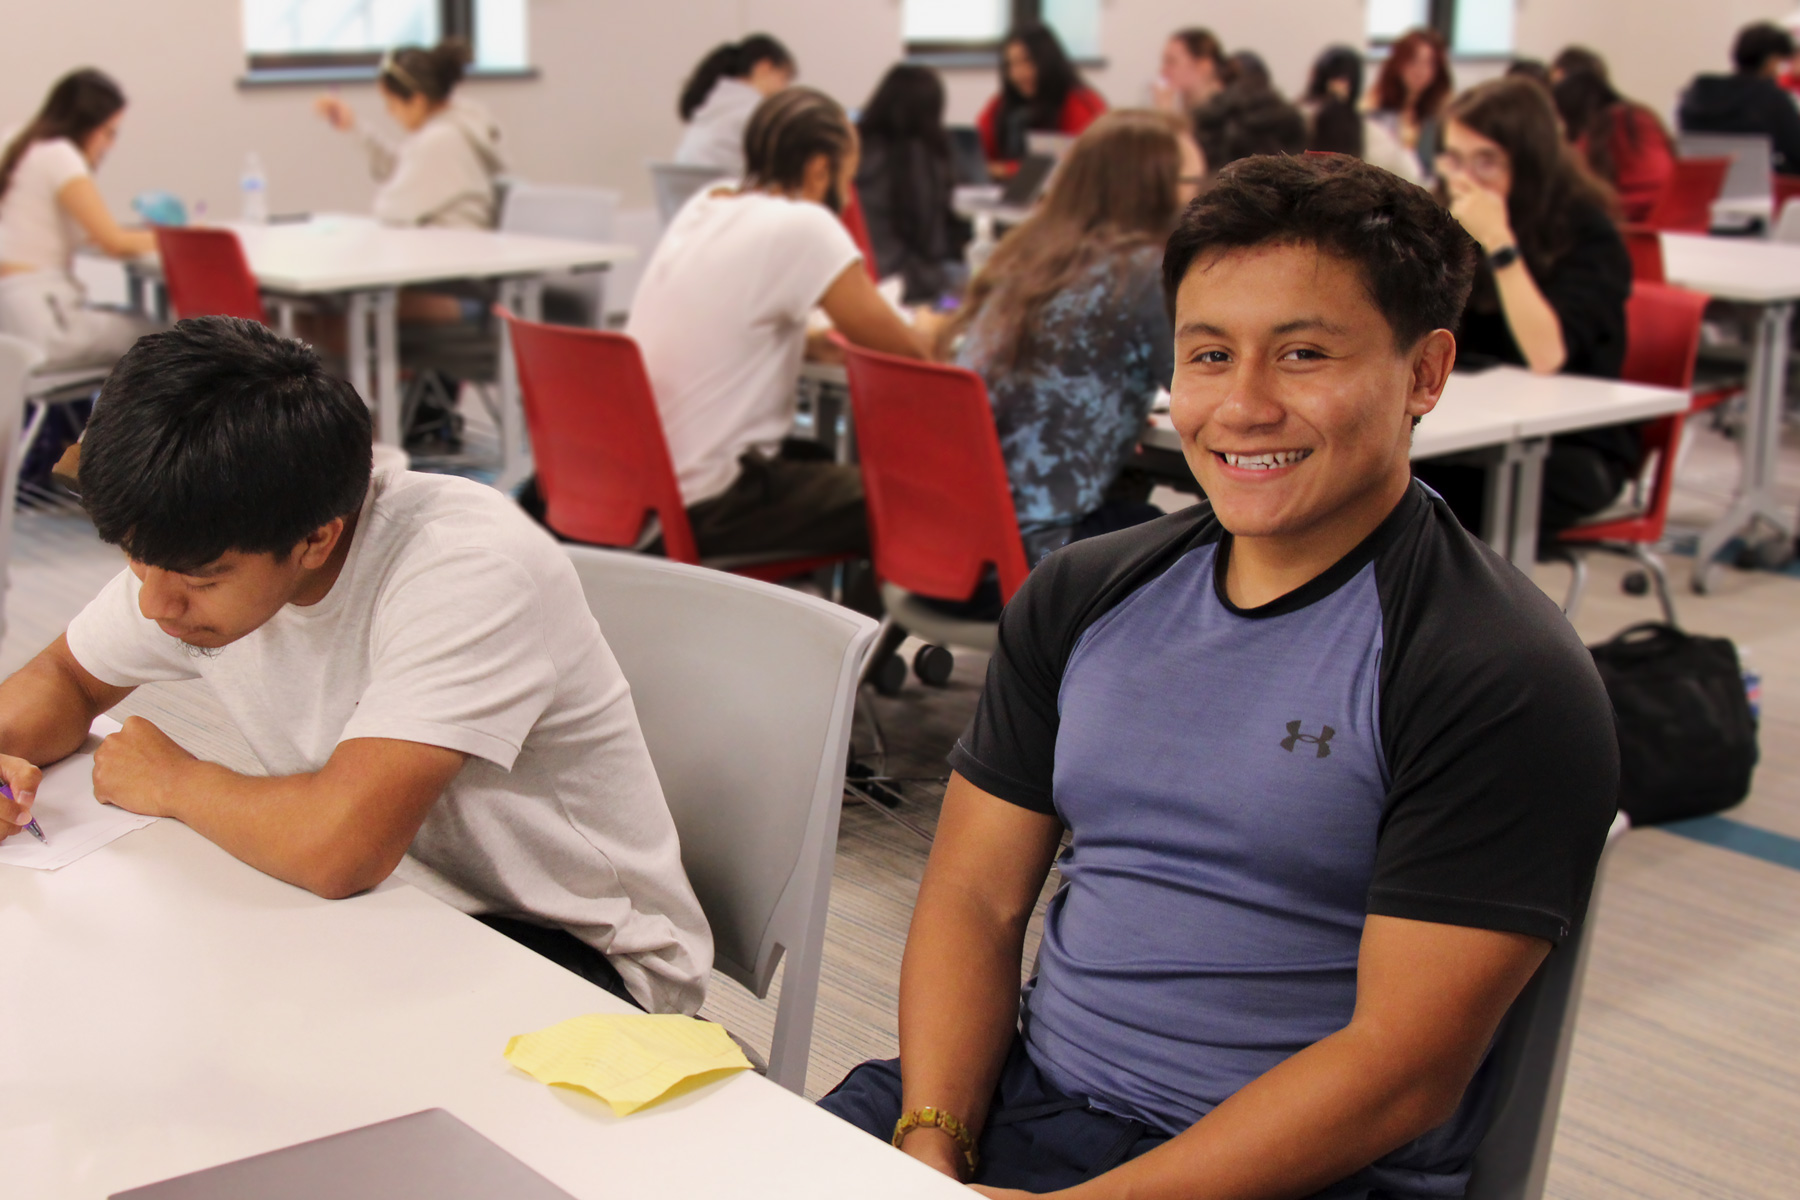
[1083, 106]
[1640, 171]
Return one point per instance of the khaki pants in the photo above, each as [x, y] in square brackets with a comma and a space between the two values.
[48, 309]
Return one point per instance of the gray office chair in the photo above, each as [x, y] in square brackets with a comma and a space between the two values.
[1749, 177]
[674, 183]
[17, 358]
[745, 692]
[581, 214]
[1532, 1057]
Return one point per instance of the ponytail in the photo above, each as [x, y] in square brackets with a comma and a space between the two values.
[78, 104]
[730, 60]
[415, 71]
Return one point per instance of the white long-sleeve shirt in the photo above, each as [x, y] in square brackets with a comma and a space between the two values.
[441, 174]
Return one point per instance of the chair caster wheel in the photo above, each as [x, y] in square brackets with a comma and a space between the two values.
[933, 664]
[1636, 583]
[890, 676]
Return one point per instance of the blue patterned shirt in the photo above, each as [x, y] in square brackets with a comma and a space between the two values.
[1070, 412]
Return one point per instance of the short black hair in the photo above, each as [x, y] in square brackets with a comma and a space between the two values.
[219, 434]
[1416, 260]
[1757, 44]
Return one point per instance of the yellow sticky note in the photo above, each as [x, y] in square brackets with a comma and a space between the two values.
[626, 1060]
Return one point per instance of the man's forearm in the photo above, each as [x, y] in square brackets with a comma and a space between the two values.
[44, 712]
[1316, 1118]
[959, 1003]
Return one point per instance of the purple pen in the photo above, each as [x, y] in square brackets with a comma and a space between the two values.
[31, 826]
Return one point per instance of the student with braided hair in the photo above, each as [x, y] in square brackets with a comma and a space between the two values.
[721, 318]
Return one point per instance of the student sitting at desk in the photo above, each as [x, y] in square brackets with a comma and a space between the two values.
[1623, 142]
[905, 182]
[1550, 293]
[412, 661]
[718, 98]
[443, 173]
[48, 207]
[1408, 98]
[1336, 778]
[1040, 91]
[1749, 100]
[721, 315]
[1068, 326]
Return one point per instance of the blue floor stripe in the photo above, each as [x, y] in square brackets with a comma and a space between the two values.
[1777, 848]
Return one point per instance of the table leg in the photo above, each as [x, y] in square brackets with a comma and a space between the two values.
[1759, 446]
[1497, 512]
[356, 320]
[1528, 492]
[526, 298]
[387, 365]
[284, 317]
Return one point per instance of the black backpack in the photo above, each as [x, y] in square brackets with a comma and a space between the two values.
[1687, 739]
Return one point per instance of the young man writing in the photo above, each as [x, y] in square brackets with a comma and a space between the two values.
[1337, 778]
[410, 658]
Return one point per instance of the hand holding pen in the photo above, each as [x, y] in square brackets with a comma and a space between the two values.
[17, 792]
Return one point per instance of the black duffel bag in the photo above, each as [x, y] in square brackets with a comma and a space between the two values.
[1687, 741]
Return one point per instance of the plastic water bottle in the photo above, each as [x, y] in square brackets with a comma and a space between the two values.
[981, 246]
[253, 187]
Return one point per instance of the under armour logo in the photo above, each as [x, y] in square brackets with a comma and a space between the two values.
[1322, 741]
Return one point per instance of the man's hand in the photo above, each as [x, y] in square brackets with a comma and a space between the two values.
[22, 779]
[138, 769]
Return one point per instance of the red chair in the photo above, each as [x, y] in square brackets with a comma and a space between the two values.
[1645, 245]
[603, 465]
[207, 274]
[1783, 188]
[940, 504]
[1662, 343]
[1686, 203]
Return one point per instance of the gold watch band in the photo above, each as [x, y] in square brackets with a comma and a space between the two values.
[937, 1118]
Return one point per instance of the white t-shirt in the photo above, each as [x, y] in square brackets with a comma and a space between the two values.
[720, 315]
[456, 622]
[35, 231]
[715, 135]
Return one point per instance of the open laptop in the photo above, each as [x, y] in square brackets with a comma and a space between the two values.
[429, 1155]
[967, 159]
[1028, 182]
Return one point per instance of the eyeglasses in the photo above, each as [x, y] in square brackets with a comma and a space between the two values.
[1483, 163]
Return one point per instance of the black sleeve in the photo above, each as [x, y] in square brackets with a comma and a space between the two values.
[1588, 290]
[1784, 129]
[1009, 748]
[1499, 738]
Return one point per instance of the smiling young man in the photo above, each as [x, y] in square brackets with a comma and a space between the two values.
[409, 657]
[1336, 778]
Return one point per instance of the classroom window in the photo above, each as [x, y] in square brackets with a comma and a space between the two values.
[334, 35]
[964, 26]
[1471, 27]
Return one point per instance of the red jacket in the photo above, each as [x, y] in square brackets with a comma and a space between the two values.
[1640, 171]
[1081, 109]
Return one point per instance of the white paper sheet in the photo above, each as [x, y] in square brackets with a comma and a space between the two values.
[75, 822]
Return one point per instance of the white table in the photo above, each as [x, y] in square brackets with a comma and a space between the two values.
[368, 263]
[1512, 414]
[1765, 274]
[169, 1009]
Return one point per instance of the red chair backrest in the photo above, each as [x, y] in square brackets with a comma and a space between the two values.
[1662, 335]
[940, 506]
[1784, 188]
[603, 464]
[1686, 203]
[1645, 245]
[852, 217]
[207, 274]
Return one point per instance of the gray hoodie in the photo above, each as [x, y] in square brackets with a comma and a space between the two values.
[443, 173]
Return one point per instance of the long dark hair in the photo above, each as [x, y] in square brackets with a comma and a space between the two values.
[80, 102]
[1117, 190]
[1337, 126]
[731, 60]
[1549, 180]
[415, 71]
[1056, 77]
[1390, 89]
[907, 110]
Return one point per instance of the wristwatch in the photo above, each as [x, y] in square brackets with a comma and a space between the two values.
[1503, 258]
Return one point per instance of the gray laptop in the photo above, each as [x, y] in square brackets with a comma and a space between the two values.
[429, 1155]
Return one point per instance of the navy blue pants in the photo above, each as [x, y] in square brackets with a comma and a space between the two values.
[1036, 1138]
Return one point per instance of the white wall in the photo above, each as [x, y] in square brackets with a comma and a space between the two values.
[1653, 47]
[609, 70]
